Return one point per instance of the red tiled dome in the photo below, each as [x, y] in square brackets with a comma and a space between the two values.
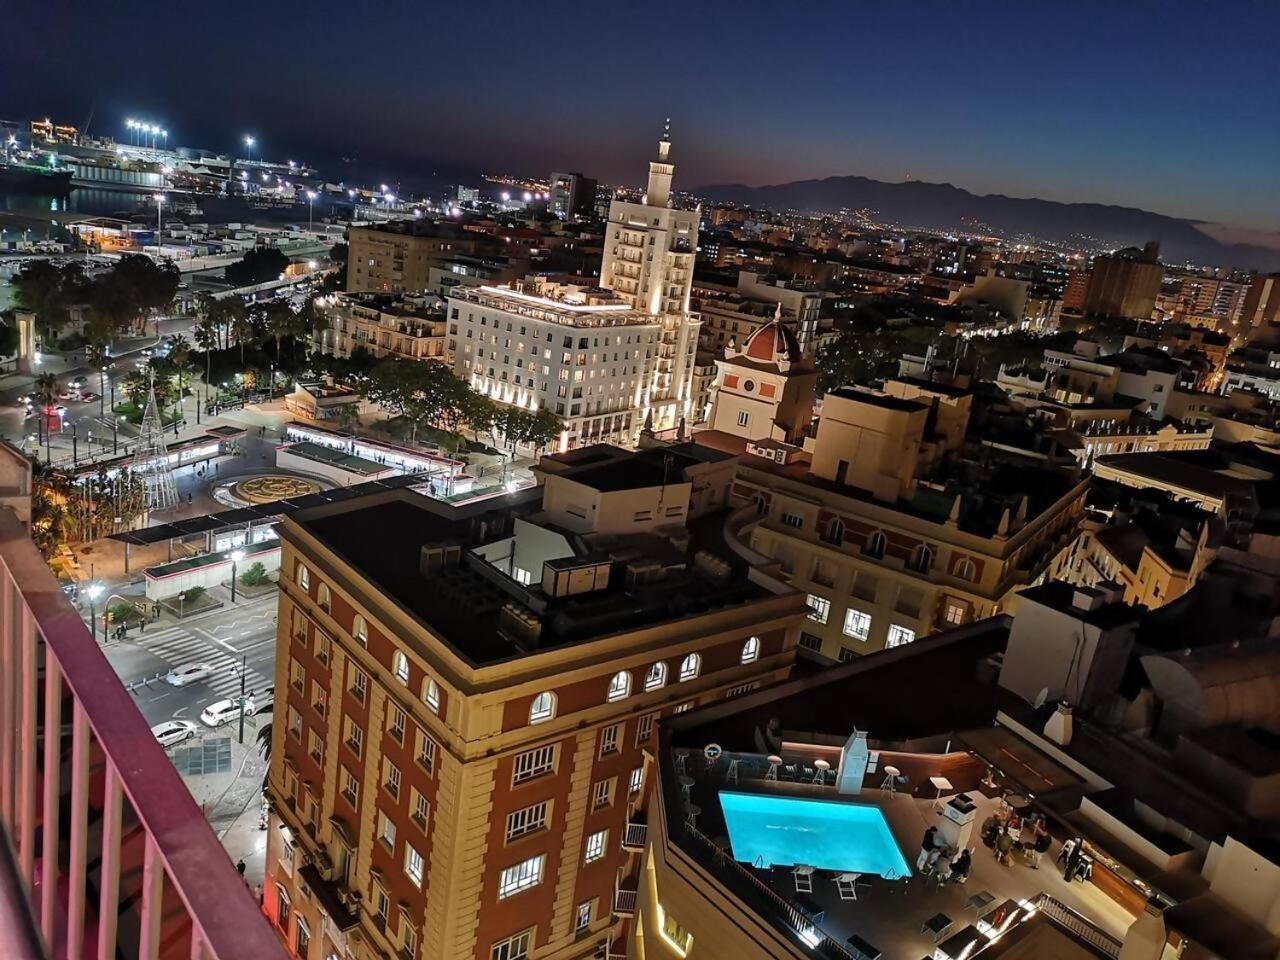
[773, 343]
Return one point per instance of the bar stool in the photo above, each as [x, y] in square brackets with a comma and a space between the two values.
[891, 774]
[775, 762]
[821, 767]
[691, 815]
[679, 760]
[731, 775]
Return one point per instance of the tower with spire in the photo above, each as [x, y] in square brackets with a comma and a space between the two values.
[649, 254]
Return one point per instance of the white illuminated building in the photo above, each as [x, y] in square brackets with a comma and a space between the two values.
[606, 360]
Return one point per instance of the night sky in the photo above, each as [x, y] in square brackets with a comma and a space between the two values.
[1172, 106]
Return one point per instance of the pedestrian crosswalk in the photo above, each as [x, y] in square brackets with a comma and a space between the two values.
[181, 645]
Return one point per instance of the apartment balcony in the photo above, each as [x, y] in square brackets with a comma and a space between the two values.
[624, 903]
[634, 836]
[103, 852]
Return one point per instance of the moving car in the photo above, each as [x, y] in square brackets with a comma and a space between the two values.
[79, 383]
[174, 731]
[224, 711]
[188, 673]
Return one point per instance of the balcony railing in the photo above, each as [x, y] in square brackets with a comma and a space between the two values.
[624, 903]
[633, 837]
[111, 852]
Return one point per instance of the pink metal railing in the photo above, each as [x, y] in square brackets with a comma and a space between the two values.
[135, 868]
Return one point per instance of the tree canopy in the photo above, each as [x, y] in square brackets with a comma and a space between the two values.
[257, 266]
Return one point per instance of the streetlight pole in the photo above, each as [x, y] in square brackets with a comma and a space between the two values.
[311, 200]
[236, 557]
[102, 391]
[159, 223]
[93, 591]
[244, 673]
[115, 436]
[249, 142]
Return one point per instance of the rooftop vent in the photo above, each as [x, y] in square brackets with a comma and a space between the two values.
[437, 556]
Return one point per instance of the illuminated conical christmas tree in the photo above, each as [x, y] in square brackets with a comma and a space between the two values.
[151, 458]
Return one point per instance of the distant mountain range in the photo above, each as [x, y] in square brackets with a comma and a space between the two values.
[941, 206]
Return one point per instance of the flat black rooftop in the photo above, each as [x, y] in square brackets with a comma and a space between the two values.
[879, 400]
[382, 537]
[631, 473]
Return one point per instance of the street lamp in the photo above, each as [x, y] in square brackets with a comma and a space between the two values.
[311, 199]
[93, 592]
[102, 391]
[159, 198]
[236, 557]
[244, 673]
[249, 142]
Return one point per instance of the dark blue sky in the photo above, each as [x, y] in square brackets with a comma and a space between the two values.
[1171, 106]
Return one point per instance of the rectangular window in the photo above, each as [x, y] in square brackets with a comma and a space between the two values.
[793, 520]
[319, 697]
[386, 830]
[583, 916]
[358, 683]
[635, 782]
[682, 707]
[819, 608]
[413, 864]
[426, 752]
[527, 820]
[955, 612]
[644, 728]
[609, 739]
[420, 806]
[534, 763]
[513, 948]
[395, 723]
[602, 793]
[322, 647]
[595, 846]
[295, 724]
[857, 624]
[350, 786]
[355, 737]
[297, 675]
[899, 635]
[845, 655]
[522, 876]
[810, 642]
[391, 778]
[743, 418]
[317, 748]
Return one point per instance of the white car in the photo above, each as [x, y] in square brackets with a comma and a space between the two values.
[190, 673]
[224, 711]
[174, 731]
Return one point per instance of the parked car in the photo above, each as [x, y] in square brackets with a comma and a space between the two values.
[174, 731]
[223, 711]
[188, 673]
[87, 396]
[79, 383]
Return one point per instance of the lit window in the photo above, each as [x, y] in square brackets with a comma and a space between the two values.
[644, 727]
[400, 664]
[583, 916]
[636, 781]
[413, 864]
[955, 612]
[602, 794]
[421, 808]
[431, 695]
[619, 686]
[360, 630]
[656, 676]
[609, 739]
[534, 763]
[513, 948]
[426, 751]
[543, 707]
[751, 650]
[522, 876]
[819, 608]
[857, 624]
[595, 846]
[899, 635]
[387, 831]
[302, 576]
[690, 666]
[527, 820]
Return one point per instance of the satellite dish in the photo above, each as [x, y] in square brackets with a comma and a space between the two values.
[1041, 697]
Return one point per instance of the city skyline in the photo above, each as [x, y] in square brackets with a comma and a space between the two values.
[1076, 105]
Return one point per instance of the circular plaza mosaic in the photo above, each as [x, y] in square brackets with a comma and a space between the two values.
[268, 489]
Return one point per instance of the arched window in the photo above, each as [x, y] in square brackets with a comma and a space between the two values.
[431, 695]
[761, 504]
[751, 650]
[360, 630]
[323, 598]
[619, 686]
[656, 676]
[965, 570]
[921, 559]
[302, 577]
[543, 707]
[690, 666]
[875, 545]
[400, 665]
[835, 532]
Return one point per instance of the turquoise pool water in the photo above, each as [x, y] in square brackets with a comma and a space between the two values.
[828, 834]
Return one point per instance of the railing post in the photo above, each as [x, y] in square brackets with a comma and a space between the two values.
[152, 903]
[79, 831]
[109, 895]
[198, 949]
[8, 702]
[27, 745]
[52, 794]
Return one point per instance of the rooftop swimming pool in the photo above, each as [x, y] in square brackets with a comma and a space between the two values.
[768, 831]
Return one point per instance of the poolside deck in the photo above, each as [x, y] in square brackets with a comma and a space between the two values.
[891, 914]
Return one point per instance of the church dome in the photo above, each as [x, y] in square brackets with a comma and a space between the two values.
[773, 343]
